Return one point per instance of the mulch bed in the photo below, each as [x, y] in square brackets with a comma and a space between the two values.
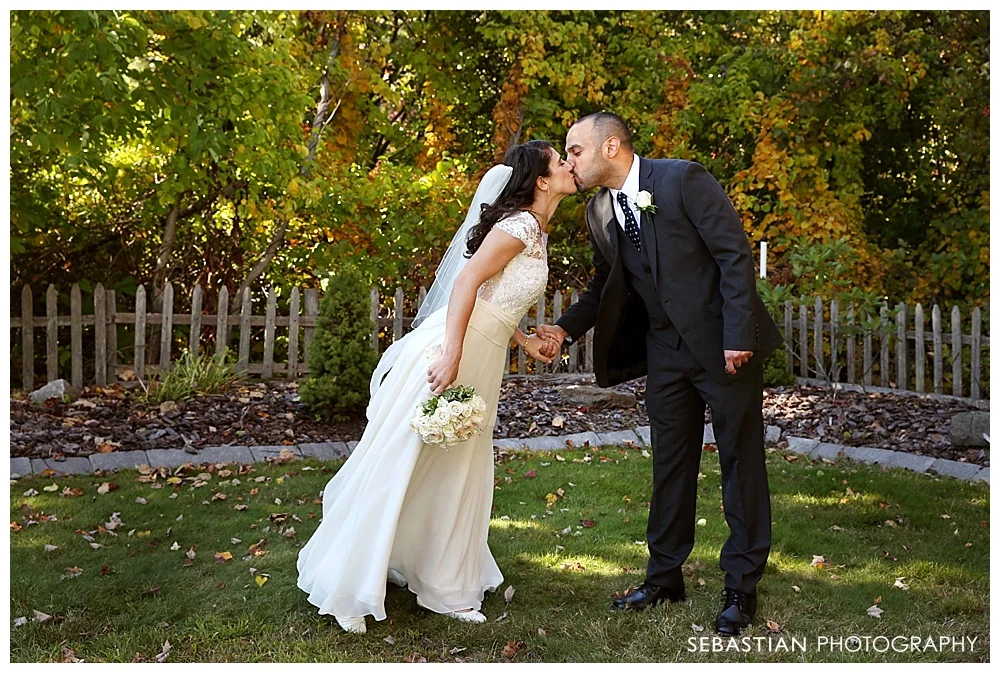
[116, 419]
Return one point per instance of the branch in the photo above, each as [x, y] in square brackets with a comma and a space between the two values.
[320, 119]
[276, 240]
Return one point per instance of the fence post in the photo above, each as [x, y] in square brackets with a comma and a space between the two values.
[293, 335]
[100, 336]
[51, 334]
[222, 323]
[789, 338]
[194, 338]
[139, 365]
[374, 300]
[851, 347]
[919, 348]
[76, 336]
[27, 340]
[166, 326]
[803, 340]
[243, 364]
[977, 346]
[884, 378]
[111, 304]
[397, 315]
[938, 350]
[312, 310]
[902, 371]
[267, 371]
[956, 352]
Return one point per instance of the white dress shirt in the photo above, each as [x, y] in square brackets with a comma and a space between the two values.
[631, 189]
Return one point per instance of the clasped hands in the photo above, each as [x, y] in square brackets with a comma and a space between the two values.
[553, 337]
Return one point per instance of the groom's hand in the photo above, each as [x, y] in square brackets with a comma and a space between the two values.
[554, 333]
[736, 359]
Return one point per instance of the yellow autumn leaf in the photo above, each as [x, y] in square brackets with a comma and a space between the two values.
[260, 580]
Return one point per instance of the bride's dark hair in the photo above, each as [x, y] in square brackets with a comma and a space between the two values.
[530, 161]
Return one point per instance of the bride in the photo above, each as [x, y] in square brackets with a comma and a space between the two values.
[418, 515]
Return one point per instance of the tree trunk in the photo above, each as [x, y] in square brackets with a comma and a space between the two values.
[320, 121]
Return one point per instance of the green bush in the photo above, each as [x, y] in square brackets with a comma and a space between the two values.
[190, 376]
[775, 373]
[341, 357]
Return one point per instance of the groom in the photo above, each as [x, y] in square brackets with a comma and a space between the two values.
[673, 299]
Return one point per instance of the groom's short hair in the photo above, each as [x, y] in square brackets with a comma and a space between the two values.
[607, 124]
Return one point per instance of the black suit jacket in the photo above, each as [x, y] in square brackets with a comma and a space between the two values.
[701, 262]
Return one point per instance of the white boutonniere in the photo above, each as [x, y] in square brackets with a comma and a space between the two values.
[645, 202]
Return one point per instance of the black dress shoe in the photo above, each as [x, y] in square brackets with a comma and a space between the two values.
[647, 595]
[738, 611]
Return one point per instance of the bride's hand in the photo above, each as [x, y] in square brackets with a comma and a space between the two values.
[540, 349]
[443, 372]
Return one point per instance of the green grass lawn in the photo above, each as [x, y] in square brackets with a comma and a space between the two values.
[123, 600]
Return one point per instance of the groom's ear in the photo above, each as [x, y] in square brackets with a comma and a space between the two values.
[611, 147]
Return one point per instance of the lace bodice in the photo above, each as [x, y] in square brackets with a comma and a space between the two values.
[519, 284]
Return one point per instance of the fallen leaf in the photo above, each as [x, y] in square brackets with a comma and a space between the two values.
[508, 594]
[588, 523]
[41, 617]
[697, 628]
[191, 553]
[72, 492]
[558, 422]
[261, 579]
[15, 526]
[151, 590]
[30, 492]
[141, 501]
[875, 611]
[530, 474]
[818, 562]
[71, 572]
[456, 650]
[796, 589]
[415, 658]
[174, 546]
[223, 556]
[20, 621]
[543, 633]
[51, 488]
[68, 655]
[162, 656]
[511, 649]
[390, 640]
[50, 547]
[773, 626]
[560, 458]
[900, 584]
[106, 447]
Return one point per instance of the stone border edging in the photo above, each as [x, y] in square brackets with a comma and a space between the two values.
[813, 448]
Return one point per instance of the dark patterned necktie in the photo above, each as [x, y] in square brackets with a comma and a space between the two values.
[631, 226]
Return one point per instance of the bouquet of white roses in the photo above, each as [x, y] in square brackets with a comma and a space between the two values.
[449, 418]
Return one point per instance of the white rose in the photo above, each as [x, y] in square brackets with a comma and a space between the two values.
[467, 410]
[442, 415]
[478, 417]
[644, 200]
[434, 437]
[478, 403]
[433, 353]
[456, 409]
[449, 431]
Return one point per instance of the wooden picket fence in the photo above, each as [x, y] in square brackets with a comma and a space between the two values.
[904, 348]
[819, 344]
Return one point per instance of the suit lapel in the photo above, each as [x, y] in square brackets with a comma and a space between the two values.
[604, 214]
[647, 228]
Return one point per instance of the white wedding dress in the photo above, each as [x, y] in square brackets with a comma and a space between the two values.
[418, 509]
